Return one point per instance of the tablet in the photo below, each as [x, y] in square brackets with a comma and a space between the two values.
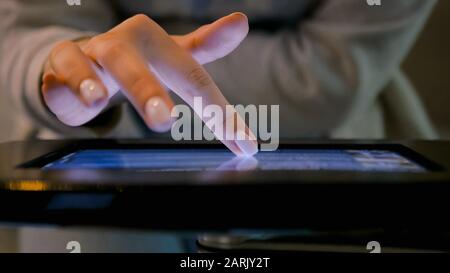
[116, 182]
[204, 158]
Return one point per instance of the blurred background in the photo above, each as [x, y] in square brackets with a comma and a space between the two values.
[428, 67]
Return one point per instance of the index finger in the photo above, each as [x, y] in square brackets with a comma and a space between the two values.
[178, 70]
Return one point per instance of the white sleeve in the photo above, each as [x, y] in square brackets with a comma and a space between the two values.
[28, 31]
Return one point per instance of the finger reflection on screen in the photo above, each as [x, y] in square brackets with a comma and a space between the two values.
[239, 164]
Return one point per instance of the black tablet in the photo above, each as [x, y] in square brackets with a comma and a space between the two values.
[115, 182]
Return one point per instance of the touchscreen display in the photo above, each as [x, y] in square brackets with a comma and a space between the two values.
[163, 160]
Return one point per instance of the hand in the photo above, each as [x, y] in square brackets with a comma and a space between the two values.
[139, 58]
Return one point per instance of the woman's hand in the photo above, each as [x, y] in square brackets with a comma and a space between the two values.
[141, 59]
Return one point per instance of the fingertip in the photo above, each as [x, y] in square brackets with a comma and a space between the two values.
[249, 148]
[49, 81]
[157, 115]
[161, 128]
[234, 148]
[50, 78]
[247, 164]
[240, 15]
[246, 142]
[241, 18]
[236, 19]
[235, 27]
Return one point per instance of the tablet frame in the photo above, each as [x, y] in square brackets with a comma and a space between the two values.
[239, 200]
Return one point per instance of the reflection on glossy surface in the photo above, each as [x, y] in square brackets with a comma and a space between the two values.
[27, 185]
[239, 164]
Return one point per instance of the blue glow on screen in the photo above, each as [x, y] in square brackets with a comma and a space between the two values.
[162, 160]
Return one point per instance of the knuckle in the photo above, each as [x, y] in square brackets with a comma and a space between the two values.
[107, 48]
[60, 47]
[141, 84]
[199, 77]
[76, 71]
[142, 25]
[141, 19]
[142, 88]
[138, 83]
[65, 64]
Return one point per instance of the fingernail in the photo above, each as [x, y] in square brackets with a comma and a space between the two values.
[247, 144]
[158, 113]
[91, 91]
